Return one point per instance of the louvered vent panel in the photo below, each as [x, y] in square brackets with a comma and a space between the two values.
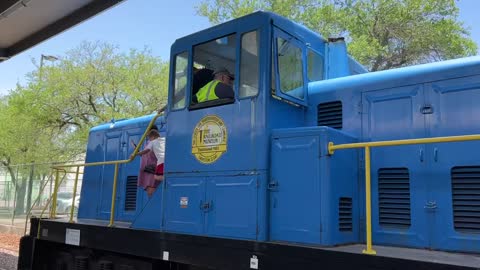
[131, 194]
[81, 263]
[345, 214]
[330, 114]
[105, 265]
[466, 198]
[394, 197]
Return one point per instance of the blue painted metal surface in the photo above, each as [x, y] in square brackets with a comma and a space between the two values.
[313, 196]
[150, 216]
[233, 202]
[186, 205]
[108, 142]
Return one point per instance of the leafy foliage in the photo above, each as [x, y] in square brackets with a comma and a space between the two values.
[381, 34]
[49, 118]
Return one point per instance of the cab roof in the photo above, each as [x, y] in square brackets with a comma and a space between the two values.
[257, 19]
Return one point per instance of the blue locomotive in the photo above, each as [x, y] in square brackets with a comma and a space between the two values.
[250, 182]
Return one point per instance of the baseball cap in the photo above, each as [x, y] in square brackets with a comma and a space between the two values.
[225, 71]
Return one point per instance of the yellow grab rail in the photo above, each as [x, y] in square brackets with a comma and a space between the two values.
[72, 209]
[332, 147]
[114, 194]
[48, 203]
[53, 210]
[367, 145]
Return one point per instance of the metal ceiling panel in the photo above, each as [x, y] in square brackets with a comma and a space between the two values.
[25, 23]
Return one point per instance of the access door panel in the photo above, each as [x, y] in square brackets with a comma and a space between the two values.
[112, 152]
[231, 205]
[131, 196]
[294, 190]
[185, 199]
[455, 174]
[398, 186]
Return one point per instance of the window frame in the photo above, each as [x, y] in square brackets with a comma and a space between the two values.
[212, 103]
[173, 78]
[259, 50]
[277, 33]
[324, 73]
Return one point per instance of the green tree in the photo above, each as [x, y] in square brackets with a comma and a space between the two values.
[21, 143]
[94, 84]
[381, 34]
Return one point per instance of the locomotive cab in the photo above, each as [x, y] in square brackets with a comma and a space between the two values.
[219, 152]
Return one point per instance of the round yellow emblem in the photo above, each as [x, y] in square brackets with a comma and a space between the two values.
[209, 139]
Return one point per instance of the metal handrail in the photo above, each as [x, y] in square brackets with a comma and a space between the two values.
[57, 168]
[367, 145]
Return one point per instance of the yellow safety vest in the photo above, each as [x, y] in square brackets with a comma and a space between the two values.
[207, 92]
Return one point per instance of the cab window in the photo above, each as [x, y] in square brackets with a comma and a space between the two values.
[249, 63]
[290, 68]
[314, 66]
[214, 72]
[180, 82]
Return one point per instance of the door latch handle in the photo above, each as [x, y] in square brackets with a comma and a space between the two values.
[206, 206]
[430, 205]
[427, 109]
[435, 154]
[421, 154]
[272, 185]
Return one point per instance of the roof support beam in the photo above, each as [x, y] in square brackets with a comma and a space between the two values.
[3, 54]
[6, 4]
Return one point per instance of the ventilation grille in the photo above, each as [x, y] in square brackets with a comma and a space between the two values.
[131, 194]
[81, 263]
[330, 114]
[394, 197]
[345, 215]
[466, 198]
[126, 267]
[105, 265]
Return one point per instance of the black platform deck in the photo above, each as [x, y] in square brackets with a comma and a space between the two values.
[219, 253]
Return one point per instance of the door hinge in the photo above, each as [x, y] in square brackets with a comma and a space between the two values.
[257, 230]
[360, 107]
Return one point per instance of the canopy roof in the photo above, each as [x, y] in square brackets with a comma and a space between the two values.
[25, 23]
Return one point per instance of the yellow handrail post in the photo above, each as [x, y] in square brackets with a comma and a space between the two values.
[53, 211]
[367, 145]
[114, 194]
[368, 201]
[74, 194]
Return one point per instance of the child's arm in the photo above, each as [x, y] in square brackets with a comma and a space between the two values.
[140, 153]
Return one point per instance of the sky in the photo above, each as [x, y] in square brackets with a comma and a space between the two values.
[146, 23]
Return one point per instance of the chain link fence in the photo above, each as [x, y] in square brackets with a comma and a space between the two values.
[29, 186]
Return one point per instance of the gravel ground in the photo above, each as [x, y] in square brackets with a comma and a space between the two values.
[8, 259]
